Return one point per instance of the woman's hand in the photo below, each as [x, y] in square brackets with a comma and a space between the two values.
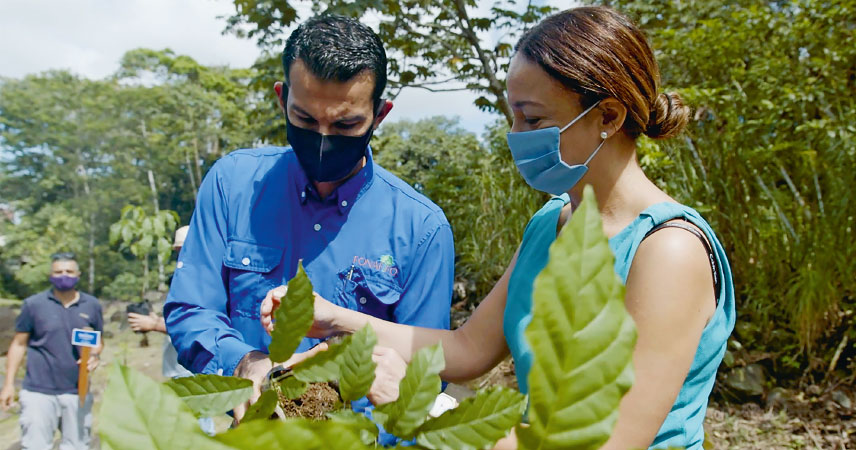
[326, 314]
[390, 369]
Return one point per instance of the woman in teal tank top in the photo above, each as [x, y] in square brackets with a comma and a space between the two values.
[583, 85]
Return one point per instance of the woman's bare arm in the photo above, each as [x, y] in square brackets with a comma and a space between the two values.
[470, 351]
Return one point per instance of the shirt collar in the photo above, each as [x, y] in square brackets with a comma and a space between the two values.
[77, 300]
[345, 195]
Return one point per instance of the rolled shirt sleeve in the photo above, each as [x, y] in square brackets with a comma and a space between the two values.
[195, 312]
[427, 295]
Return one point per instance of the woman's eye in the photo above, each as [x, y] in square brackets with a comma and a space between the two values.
[532, 121]
[345, 126]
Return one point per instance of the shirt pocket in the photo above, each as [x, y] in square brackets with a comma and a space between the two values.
[368, 293]
[253, 270]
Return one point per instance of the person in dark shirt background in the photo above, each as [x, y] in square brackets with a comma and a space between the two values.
[49, 397]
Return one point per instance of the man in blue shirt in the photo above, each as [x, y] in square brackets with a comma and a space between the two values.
[368, 241]
[49, 397]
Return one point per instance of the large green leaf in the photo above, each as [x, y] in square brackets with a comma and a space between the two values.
[367, 429]
[263, 408]
[349, 361]
[324, 366]
[356, 365]
[293, 434]
[211, 395]
[416, 394]
[582, 338]
[138, 413]
[293, 318]
[477, 423]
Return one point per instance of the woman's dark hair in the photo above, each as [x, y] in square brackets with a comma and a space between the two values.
[337, 48]
[598, 53]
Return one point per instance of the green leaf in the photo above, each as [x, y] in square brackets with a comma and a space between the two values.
[356, 364]
[294, 317]
[292, 388]
[324, 366]
[211, 395]
[139, 413]
[582, 338]
[477, 423]
[349, 362]
[361, 424]
[417, 392]
[292, 434]
[263, 408]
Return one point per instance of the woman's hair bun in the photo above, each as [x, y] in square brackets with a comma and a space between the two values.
[669, 116]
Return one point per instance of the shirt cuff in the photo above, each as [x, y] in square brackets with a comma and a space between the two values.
[231, 350]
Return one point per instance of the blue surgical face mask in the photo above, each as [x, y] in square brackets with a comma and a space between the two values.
[539, 160]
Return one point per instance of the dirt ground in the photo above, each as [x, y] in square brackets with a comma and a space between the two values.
[805, 421]
[120, 345]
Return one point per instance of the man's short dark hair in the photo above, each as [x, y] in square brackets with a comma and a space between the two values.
[337, 48]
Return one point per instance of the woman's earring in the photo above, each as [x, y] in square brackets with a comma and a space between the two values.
[604, 135]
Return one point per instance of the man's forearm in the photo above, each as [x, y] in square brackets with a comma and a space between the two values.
[13, 362]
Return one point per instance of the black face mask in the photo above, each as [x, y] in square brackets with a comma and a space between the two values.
[327, 157]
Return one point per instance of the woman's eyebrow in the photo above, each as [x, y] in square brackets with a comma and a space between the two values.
[522, 103]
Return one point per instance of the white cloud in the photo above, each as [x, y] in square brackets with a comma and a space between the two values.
[89, 37]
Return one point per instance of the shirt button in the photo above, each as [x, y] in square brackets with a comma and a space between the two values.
[344, 203]
[362, 300]
[317, 227]
[179, 265]
[245, 261]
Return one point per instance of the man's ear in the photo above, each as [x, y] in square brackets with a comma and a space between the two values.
[281, 92]
[385, 108]
[614, 113]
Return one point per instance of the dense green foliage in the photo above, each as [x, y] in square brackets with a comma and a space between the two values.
[563, 400]
[475, 182]
[769, 159]
[76, 151]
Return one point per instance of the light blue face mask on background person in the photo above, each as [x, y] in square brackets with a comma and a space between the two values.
[538, 158]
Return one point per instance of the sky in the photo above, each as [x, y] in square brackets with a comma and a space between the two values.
[88, 37]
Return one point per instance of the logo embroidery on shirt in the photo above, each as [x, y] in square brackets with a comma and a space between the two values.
[385, 263]
[84, 315]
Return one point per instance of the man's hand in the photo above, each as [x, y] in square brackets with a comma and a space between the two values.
[391, 368]
[325, 313]
[139, 322]
[7, 396]
[92, 364]
[255, 367]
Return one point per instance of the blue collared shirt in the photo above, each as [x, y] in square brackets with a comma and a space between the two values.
[374, 245]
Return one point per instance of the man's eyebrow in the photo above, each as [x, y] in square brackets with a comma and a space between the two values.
[351, 118]
[301, 110]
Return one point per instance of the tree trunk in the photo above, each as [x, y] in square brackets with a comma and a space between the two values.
[495, 86]
[191, 175]
[161, 274]
[91, 250]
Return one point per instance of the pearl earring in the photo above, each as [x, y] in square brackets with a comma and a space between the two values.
[603, 135]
